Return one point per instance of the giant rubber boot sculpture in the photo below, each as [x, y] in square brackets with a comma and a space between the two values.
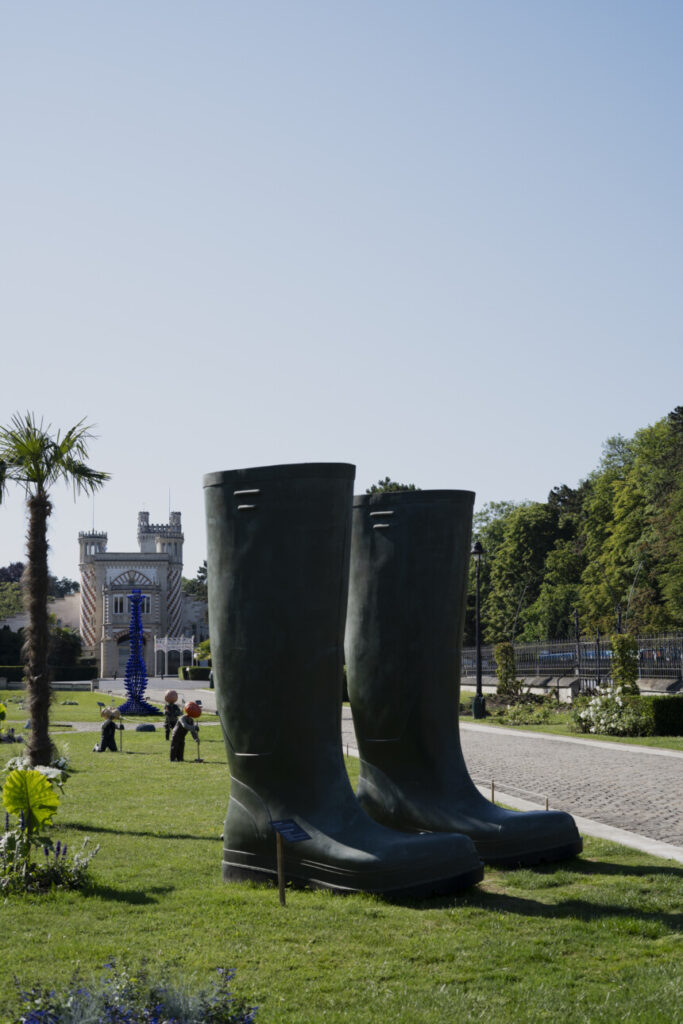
[409, 568]
[278, 561]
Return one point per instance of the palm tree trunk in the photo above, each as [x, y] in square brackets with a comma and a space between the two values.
[35, 583]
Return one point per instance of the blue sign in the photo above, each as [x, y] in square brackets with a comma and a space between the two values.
[290, 831]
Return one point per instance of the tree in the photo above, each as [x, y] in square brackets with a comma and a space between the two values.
[529, 534]
[65, 645]
[11, 573]
[35, 460]
[63, 587]
[389, 485]
[197, 588]
[11, 601]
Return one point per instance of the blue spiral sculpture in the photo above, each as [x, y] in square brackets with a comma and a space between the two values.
[136, 670]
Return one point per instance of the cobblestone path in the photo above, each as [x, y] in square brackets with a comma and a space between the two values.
[638, 791]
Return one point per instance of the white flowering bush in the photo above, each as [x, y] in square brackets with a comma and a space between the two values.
[611, 712]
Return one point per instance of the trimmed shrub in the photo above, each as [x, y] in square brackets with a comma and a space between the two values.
[77, 673]
[667, 714]
[196, 673]
[625, 663]
[508, 686]
[12, 673]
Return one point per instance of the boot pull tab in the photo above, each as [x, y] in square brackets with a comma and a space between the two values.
[382, 526]
[246, 508]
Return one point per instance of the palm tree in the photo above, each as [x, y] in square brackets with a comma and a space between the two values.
[31, 457]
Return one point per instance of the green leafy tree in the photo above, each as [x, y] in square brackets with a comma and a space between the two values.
[197, 587]
[202, 651]
[488, 526]
[65, 646]
[529, 533]
[11, 644]
[11, 600]
[33, 458]
[63, 587]
[389, 485]
[11, 573]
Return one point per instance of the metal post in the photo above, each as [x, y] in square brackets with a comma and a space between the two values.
[479, 702]
[578, 645]
[280, 867]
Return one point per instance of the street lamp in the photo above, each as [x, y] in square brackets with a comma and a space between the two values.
[479, 702]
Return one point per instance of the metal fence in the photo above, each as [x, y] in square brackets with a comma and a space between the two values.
[659, 657]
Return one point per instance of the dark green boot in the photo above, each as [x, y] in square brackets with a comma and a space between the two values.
[278, 564]
[409, 567]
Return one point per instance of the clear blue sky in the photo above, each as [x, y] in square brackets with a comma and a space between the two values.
[441, 240]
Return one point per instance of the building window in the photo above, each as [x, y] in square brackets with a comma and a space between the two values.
[119, 605]
[146, 606]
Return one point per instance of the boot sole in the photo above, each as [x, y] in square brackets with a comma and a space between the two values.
[420, 890]
[532, 857]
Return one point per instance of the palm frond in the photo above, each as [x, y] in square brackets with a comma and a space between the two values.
[34, 459]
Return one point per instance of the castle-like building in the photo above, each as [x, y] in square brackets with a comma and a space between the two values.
[107, 579]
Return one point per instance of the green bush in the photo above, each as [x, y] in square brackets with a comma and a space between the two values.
[667, 714]
[196, 673]
[527, 713]
[625, 663]
[508, 686]
[12, 673]
[82, 673]
[611, 712]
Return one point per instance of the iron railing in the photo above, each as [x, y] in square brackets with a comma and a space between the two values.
[659, 657]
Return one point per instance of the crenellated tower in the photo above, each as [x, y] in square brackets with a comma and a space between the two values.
[166, 539]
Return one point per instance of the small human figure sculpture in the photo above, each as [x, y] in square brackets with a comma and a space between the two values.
[184, 725]
[109, 727]
[172, 711]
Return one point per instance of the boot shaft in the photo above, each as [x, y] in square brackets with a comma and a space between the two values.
[278, 561]
[409, 569]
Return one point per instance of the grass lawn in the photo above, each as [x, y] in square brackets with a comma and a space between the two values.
[85, 709]
[596, 938]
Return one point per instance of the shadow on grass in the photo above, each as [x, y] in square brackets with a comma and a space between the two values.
[586, 866]
[81, 827]
[134, 897]
[582, 910]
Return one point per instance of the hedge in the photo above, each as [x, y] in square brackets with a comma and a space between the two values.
[65, 673]
[12, 673]
[60, 673]
[667, 714]
[197, 673]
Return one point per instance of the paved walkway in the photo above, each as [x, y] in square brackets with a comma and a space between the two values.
[636, 792]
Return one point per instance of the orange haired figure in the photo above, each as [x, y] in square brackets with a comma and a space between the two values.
[184, 725]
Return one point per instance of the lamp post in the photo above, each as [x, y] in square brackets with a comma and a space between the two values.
[479, 702]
